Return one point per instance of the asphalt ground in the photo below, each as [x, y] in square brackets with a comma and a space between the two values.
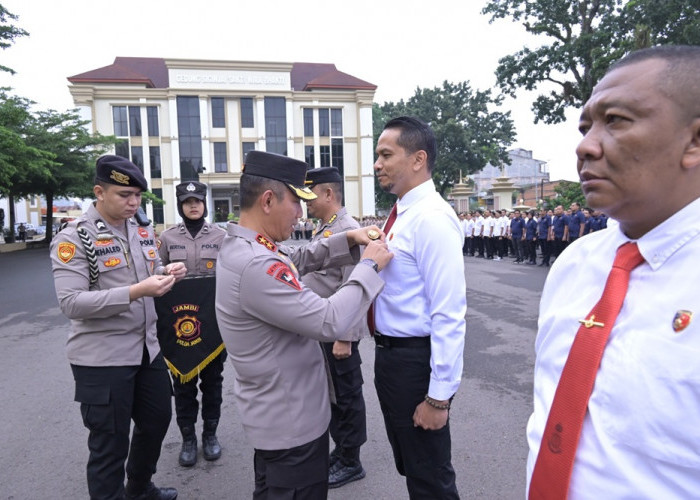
[43, 448]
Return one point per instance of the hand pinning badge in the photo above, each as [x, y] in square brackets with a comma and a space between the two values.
[373, 234]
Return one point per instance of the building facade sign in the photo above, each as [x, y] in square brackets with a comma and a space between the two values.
[229, 79]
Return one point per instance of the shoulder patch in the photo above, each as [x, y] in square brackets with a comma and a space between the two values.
[65, 252]
[280, 271]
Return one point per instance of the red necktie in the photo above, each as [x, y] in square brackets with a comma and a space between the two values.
[555, 461]
[387, 227]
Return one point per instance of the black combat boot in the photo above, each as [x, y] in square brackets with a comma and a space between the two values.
[210, 445]
[188, 453]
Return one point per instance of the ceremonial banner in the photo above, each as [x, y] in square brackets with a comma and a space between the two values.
[187, 330]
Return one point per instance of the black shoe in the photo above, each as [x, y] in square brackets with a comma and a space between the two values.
[343, 473]
[211, 450]
[152, 492]
[188, 452]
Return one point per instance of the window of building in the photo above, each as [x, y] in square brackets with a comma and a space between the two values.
[137, 156]
[247, 120]
[220, 159]
[218, 115]
[247, 147]
[152, 116]
[309, 155]
[308, 122]
[337, 154]
[276, 125]
[190, 137]
[323, 124]
[135, 121]
[325, 156]
[121, 128]
[154, 154]
[121, 148]
[336, 122]
[158, 208]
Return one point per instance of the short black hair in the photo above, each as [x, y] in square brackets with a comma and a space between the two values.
[416, 135]
[252, 186]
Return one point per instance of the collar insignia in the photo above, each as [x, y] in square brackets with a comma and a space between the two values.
[681, 320]
[100, 225]
[332, 219]
[266, 243]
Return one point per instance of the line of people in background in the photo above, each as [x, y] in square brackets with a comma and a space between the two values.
[497, 234]
[303, 229]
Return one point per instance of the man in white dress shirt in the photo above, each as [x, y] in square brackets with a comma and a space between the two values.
[420, 325]
[639, 162]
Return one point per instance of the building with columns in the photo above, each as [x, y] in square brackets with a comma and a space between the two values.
[197, 119]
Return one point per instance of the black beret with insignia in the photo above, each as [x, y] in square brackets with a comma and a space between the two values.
[323, 175]
[281, 168]
[113, 169]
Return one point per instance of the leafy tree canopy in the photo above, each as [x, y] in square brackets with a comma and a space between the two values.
[567, 192]
[469, 134]
[581, 38]
[8, 33]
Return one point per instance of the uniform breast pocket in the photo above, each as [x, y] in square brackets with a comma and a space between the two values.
[207, 261]
[179, 255]
[111, 262]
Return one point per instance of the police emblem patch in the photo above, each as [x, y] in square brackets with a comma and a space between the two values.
[65, 252]
[210, 264]
[151, 253]
[187, 328]
[327, 233]
[281, 272]
[142, 232]
[681, 320]
[112, 262]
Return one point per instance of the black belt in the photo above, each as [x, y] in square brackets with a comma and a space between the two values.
[385, 341]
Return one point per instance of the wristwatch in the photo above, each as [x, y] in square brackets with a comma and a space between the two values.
[371, 263]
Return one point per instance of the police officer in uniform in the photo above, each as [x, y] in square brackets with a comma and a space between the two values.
[272, 324]
[196, 243]
[348, 420]
[104, 267]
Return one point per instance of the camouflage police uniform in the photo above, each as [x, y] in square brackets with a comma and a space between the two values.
[113, 349]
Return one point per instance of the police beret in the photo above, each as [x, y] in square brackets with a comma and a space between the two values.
[281, 168]
[191, 189]
[114, 169]
[323, 175]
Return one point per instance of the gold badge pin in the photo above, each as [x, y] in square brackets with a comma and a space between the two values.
[373, 234]
[681, 320]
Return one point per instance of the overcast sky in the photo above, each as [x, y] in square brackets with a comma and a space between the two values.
[397, 45]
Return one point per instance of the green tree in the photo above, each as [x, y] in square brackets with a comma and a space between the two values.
[8, 33]
[74, 151]
[583, 38]
[469, 134]
[567, 192]
[19, 160]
